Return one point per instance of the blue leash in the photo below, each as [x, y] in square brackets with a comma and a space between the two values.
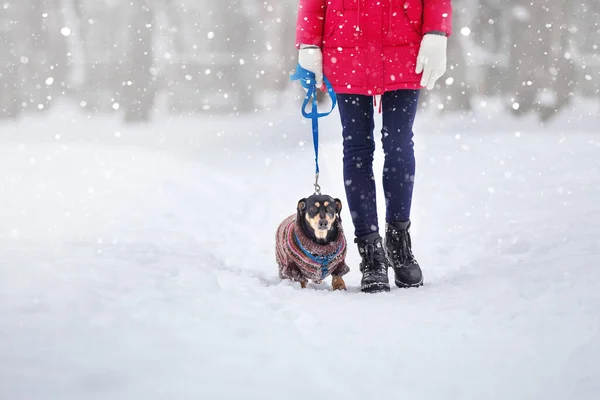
[309, 82]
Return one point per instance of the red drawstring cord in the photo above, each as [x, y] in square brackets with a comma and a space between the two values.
[375, 103]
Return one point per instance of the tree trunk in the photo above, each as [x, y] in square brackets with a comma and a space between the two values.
[10, 88]
[139, 83]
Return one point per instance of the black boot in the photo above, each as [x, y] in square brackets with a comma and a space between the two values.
[374, 265]
[399, 247]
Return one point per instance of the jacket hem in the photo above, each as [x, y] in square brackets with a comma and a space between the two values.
[339, 89]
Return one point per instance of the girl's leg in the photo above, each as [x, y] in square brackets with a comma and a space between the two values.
[356, 112]
[399, 110]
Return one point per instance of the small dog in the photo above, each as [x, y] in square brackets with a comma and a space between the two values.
[311, 245]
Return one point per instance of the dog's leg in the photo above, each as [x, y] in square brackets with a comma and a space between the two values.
[297, 276]
[292, 272]
[338, 283]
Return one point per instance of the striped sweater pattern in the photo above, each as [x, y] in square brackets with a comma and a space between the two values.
[292, 246]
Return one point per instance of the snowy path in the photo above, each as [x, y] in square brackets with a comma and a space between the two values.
[131, 272]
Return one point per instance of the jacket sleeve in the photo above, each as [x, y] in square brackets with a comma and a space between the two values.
[437, 16]
[310, 23]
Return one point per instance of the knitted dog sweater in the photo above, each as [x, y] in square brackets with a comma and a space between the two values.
[301, 259]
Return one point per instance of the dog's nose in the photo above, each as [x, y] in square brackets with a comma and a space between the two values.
[323, 223]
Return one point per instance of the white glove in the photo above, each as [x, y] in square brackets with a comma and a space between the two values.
[311, 59]
[431, 60]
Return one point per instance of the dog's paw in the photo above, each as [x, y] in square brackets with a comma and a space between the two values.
[337, 283]
[303, 284]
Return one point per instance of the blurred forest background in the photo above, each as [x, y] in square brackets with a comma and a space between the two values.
[137, 57]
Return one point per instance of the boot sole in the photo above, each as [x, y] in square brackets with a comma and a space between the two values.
[403, 285]
[375, 288]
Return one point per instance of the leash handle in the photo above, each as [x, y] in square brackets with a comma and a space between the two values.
[309, 82]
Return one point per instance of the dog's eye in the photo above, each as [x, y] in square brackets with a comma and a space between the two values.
[331, 209]
[312, 209]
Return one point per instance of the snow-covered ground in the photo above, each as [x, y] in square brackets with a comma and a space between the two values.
[138, 263]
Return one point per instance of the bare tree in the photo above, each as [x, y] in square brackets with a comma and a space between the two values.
[10, 92]
[541, 74]
[138, 82]
[216, 55]
[456, 87]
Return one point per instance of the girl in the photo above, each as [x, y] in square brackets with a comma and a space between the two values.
[377, 52]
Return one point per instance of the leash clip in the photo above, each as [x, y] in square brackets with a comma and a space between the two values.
[317, 186]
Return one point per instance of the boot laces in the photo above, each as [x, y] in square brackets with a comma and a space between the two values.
[374, 258]
[401, 244]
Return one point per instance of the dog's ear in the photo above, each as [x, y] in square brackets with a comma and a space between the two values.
[301, 206]
[338, 207]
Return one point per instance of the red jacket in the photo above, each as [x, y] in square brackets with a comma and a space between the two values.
[371, 46]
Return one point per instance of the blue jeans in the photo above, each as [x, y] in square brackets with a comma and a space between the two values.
[356, 111]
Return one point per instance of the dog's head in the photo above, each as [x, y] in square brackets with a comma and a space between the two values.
[317, 215]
